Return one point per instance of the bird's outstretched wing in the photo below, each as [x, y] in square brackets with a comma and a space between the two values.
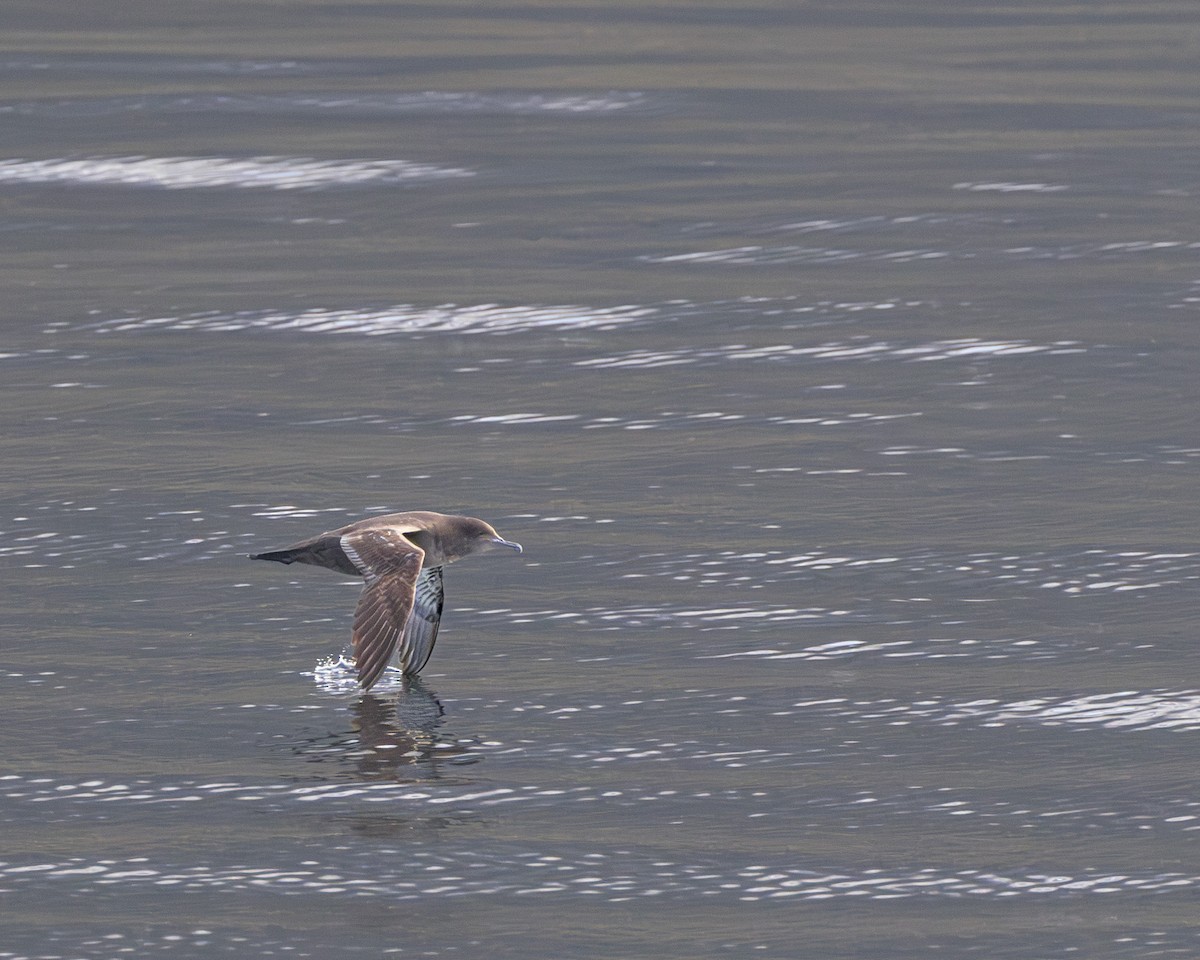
[421, 633]
[391, 566]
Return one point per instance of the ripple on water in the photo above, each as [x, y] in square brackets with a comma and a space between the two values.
[398, 318]
[781, 313]
[1065, 450]
[1177, 710]
[925, 235]
[404, 874]
[857, 349]
[161, 535]
[871, 223]
[145, 63]
[64, 533]
[665, 617]
[186, 173]
[678, 419]
[1008, 186]
[1091, 570]
[757, 255]
[1102, 251]
[1127, 710]
[344, 103]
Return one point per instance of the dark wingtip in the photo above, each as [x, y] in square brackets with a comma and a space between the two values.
[369, 674]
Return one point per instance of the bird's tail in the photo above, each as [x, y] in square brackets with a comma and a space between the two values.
[281, 556]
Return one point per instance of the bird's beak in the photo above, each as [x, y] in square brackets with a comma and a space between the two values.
[506, 543]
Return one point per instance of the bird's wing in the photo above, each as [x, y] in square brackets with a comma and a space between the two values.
[421, 633]
[391, 566]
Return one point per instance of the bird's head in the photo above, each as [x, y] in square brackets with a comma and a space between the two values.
[476, 536]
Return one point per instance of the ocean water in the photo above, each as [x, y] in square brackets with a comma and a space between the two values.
[834, 363]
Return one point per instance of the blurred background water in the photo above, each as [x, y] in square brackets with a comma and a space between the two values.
[836, 364]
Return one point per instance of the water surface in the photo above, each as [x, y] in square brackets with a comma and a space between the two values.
[835, 365]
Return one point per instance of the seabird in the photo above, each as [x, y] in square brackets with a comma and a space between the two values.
[400, 556]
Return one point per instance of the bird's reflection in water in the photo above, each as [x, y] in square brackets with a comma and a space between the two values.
[392, 737]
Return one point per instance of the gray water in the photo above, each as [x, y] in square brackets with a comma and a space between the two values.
[836, 364]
